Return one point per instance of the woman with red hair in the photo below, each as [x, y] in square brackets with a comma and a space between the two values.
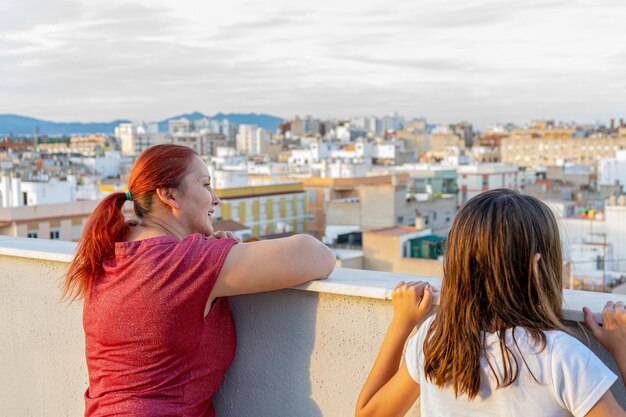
[158, 331]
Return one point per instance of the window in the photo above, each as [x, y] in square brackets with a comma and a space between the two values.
[32, 235]
[600, 263]
[55, 234]
[312, 196]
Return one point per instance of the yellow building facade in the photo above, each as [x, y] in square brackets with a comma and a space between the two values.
[266, 209]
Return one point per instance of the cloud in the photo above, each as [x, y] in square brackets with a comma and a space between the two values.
[96, 59]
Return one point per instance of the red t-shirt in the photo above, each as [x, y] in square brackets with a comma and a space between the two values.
[149, 349]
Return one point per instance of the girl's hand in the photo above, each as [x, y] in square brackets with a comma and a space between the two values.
[225, 235]
[612, 335]
[411, 302]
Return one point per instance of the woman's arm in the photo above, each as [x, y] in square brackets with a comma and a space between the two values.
[389, 389]
[272, 265]
[612, 335]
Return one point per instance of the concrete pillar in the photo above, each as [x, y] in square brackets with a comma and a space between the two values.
[44, 230]
[5, 190]
[65, 232]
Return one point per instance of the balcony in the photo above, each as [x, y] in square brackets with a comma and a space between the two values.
[302, 352]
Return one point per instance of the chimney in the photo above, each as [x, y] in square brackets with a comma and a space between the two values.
[612, 124]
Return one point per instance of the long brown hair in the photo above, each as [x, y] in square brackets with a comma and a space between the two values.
[491, 284]
[160, 166]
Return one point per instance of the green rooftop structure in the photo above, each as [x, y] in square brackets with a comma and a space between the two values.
[427, 247]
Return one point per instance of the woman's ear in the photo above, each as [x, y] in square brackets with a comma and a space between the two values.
[168, 197]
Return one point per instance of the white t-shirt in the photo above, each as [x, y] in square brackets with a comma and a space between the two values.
[571, 379]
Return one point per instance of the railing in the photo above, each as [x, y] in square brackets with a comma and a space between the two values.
[301, 352]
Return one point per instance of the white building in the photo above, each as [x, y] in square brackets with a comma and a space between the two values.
[342, 133]
[316, 152]
[475, 179]
[53, 191]
[11, 191]
[229, 178]
[343, 169]
[251, 138]
[612, 170]
[596, 247]
[181, 126]
[105, 167]
[133, 138]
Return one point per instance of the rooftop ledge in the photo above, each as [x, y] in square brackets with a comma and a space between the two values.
[303, 352]
[343, 281]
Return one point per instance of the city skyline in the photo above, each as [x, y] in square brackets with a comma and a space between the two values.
[481, 62]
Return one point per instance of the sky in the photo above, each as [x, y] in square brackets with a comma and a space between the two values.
[446, 60]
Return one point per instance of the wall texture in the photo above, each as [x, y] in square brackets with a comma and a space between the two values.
[41, 342]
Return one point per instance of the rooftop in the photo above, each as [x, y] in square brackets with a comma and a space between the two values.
[394, 230]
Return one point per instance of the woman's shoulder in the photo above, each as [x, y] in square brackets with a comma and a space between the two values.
[143, 243]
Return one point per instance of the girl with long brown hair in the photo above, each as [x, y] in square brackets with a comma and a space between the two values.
[158, 331]
[497, 345]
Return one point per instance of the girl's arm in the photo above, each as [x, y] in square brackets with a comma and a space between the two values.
[389, 389]
[612, 335]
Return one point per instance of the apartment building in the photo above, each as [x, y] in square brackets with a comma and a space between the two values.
[320, 191]
[389, 249]
[612, 171]
[267, 210]
[386, 205]
[534, 150]
[595, 245]
[64, 221]
[475, 179]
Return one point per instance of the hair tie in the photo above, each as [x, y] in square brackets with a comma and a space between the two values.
[128, 196]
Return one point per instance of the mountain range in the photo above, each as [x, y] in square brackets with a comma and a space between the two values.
[21, 125]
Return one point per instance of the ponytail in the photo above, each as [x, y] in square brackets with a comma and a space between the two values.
[105, 226]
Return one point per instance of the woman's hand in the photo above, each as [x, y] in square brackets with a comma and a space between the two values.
[612, 335]
[225, 235]
[412, 302]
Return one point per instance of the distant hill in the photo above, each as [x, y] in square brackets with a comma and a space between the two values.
[21, 125]
[263, 120]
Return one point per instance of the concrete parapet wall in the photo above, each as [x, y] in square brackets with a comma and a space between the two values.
[301, 352]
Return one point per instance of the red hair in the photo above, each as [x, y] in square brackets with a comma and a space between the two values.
[160, 166]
